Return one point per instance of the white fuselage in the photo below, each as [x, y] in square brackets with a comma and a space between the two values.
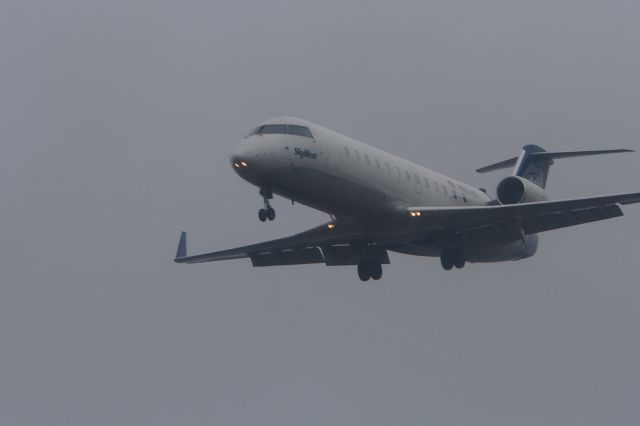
[331, 169]
[348, 179]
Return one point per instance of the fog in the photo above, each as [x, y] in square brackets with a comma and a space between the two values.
[116, 122]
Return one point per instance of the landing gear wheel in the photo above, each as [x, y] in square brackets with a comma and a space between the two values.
[363, 271]
[267, 212]
[446, 260]
[458, 258]
[271, 213]
[376, 270]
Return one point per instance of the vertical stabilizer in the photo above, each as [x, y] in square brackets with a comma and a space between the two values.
[531, 167]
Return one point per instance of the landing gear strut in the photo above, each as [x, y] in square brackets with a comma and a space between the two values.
[369, 269]
[267, 212]
[454, 257]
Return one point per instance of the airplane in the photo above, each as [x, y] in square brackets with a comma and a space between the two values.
[379, 202]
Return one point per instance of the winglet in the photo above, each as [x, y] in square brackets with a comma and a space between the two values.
[182, 246]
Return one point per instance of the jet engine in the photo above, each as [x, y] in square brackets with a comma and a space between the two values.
[516, 190]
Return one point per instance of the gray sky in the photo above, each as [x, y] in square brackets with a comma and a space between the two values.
[116, 121]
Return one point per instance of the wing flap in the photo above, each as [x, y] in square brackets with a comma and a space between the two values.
[533, 217]
[302, 248]
[303, 256]
[343, 255]
[557, 220]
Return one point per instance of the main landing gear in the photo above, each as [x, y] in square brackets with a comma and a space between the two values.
[267, 212]
[454, 257]
[369, 269]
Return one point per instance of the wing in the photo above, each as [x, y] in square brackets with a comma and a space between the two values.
[336, 241]
[531, 217]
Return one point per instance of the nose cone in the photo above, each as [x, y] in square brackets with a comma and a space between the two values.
[249, 158]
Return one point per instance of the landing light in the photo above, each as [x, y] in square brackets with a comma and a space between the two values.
[243, 164]
[331, 226]
[415, 214]
[236, 165]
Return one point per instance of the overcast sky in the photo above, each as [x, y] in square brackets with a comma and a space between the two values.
[116, 122]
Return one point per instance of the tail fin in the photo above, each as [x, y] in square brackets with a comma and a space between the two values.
[534, 162]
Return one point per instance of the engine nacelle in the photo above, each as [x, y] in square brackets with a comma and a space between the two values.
[516, 190]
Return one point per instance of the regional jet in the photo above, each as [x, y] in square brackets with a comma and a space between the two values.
[379, 202]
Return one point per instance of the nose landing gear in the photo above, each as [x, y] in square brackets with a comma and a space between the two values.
[267, 212]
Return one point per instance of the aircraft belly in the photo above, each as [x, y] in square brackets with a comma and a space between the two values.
[475, 252]
[516, 250]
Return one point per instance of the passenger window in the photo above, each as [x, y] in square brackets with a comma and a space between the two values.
[398, 172]
[280, 129]
[437, 186]
[388, 167]
[346, 152]
[444, 189]
[377, 163]
[366, 159]
[464, 199]
[426, 183]
[406, 175]
[357, 156]
[300, 131]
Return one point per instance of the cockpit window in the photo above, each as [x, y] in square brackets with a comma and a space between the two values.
[300, 131]
[255, 131]
[281, 129]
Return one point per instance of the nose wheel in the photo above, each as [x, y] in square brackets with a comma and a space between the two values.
[267, 213]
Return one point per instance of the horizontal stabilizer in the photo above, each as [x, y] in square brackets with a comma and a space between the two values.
[506, 164]
[549, 156]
